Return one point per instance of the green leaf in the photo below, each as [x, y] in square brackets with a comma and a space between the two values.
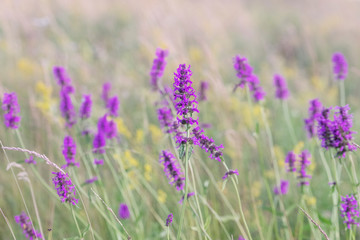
[85, 231]
[324, 220]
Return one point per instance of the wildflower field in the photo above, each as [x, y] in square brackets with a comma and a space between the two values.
[179, 119]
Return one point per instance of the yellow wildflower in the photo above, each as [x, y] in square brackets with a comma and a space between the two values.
[26, 66]
[256, 189]
[129, 160]
[139, 136]
[148, 171]
[279, 154]
[299, 147]
[310, 200]
[156, 133]
[122, 129]
[161, 196]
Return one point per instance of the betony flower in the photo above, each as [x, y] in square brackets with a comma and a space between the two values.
[85, 108]
[61, 76]
[304, 162]
[113, 106]
[204, 85]
[30, 160]
[99, 143]
[24, 221]
[66, 106]
[282, 91]
[158, 67]
[290, 161]
[349, 210]
[11, 107]
[229, 173]
[172, 169]
[105, 92]
[314, 113]
[282, 189]
[188, 196]
[124, 212]
[169, 219]
[69, 152]
[98, 161]
[207, 144]
[340, 66]
[64, 187]
[91, 180]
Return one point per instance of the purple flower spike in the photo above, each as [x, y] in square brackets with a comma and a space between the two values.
[67, 107]
[30, 160]
[24, 221]
[158, 67]
[11, 107]
[172, 169]
[314, 113]
[99, 161]
[91, 180]
[169, 219]
[283, 189]
[188, 196]
[340, 66]
[304, 162]
[229, 173]
[282, 91]
[203, 88]
[85, 108]
[105, 92]
[99, 143]
[124, 212]
[64, 187]
[165, 118]
[290, 161]
[207, 144]
[61, 76]
[113, 106]
[349, 210]
[241, 238]
[69, 152]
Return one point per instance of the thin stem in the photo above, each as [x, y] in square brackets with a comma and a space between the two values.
[36, 209]
[288, 121]
[76, 223]
[7, 222]
[342, 92]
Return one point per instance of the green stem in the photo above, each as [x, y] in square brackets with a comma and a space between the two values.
[76, 223]
[288, 121]
[342, 92]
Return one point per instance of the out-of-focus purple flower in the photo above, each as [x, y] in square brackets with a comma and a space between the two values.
[113, 106]
[188, 196]
[98, 161]
[165, 118]
[336, 133]
[172, 169]
[282, 91]
[290, 161]
[99, 143]
[229, 173]
[11, 107]
[169, 219]
[24, 221]
[207, 144]
[349, 210]
[105, 92]
[30, 160]
[64, 187]
[241, 238]
[304, 162]
[282, 189]
[340, 66]
[204, 86]
[69, 152]
[85, 108]
[314, 113]
[256, 89]
[168, 92]
[124, 212]
[205, 125]
[61, 76]
[158, 67]
[67, 107]
[111, 129]
[91, 180]
[106, 127]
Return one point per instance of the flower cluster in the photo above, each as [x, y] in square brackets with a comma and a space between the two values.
[169, 219]
[169, 124]
[203, 88]
[314, 113]
[207, 144]
[336, 133]
[349, 210]
[304, 162]
[124, 212]
[105, 92]
[64, 187]
[11, 107]
[282, 189]
[62, 78]
[340, 66]
[158, 67]
[85, 108]
[113, 106]
[172, 169]
[229, 173]
[245, 73]
[91, 180]
[30, 160]
[282, 91]
[296, 163]
[69, 152]
[188, 196]
[24, 221]
[290, 161]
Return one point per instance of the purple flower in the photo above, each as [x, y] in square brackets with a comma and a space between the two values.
[158, 67]
[24, 221]
[282, 91]
[61, 76]
[64, 187]
[229, 173]
[283, 189]
[241, 238]
[91, 180]
[203, 88]
[349, 210]
[169, 219]
[107, 128]
[113, 106]
[304, 161]
[69, 152]
[256, 89]
[98, 161]
[11, 107]
[124, 212]
[67, 107]
[99, 143]
[340, 66]
[290, 161]
[30, 160]
[314, 113]
[85, 108]
[207, 144]
[105, 92]
[172, 169]
[111, 129]
[165, 118]
[188, 196]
